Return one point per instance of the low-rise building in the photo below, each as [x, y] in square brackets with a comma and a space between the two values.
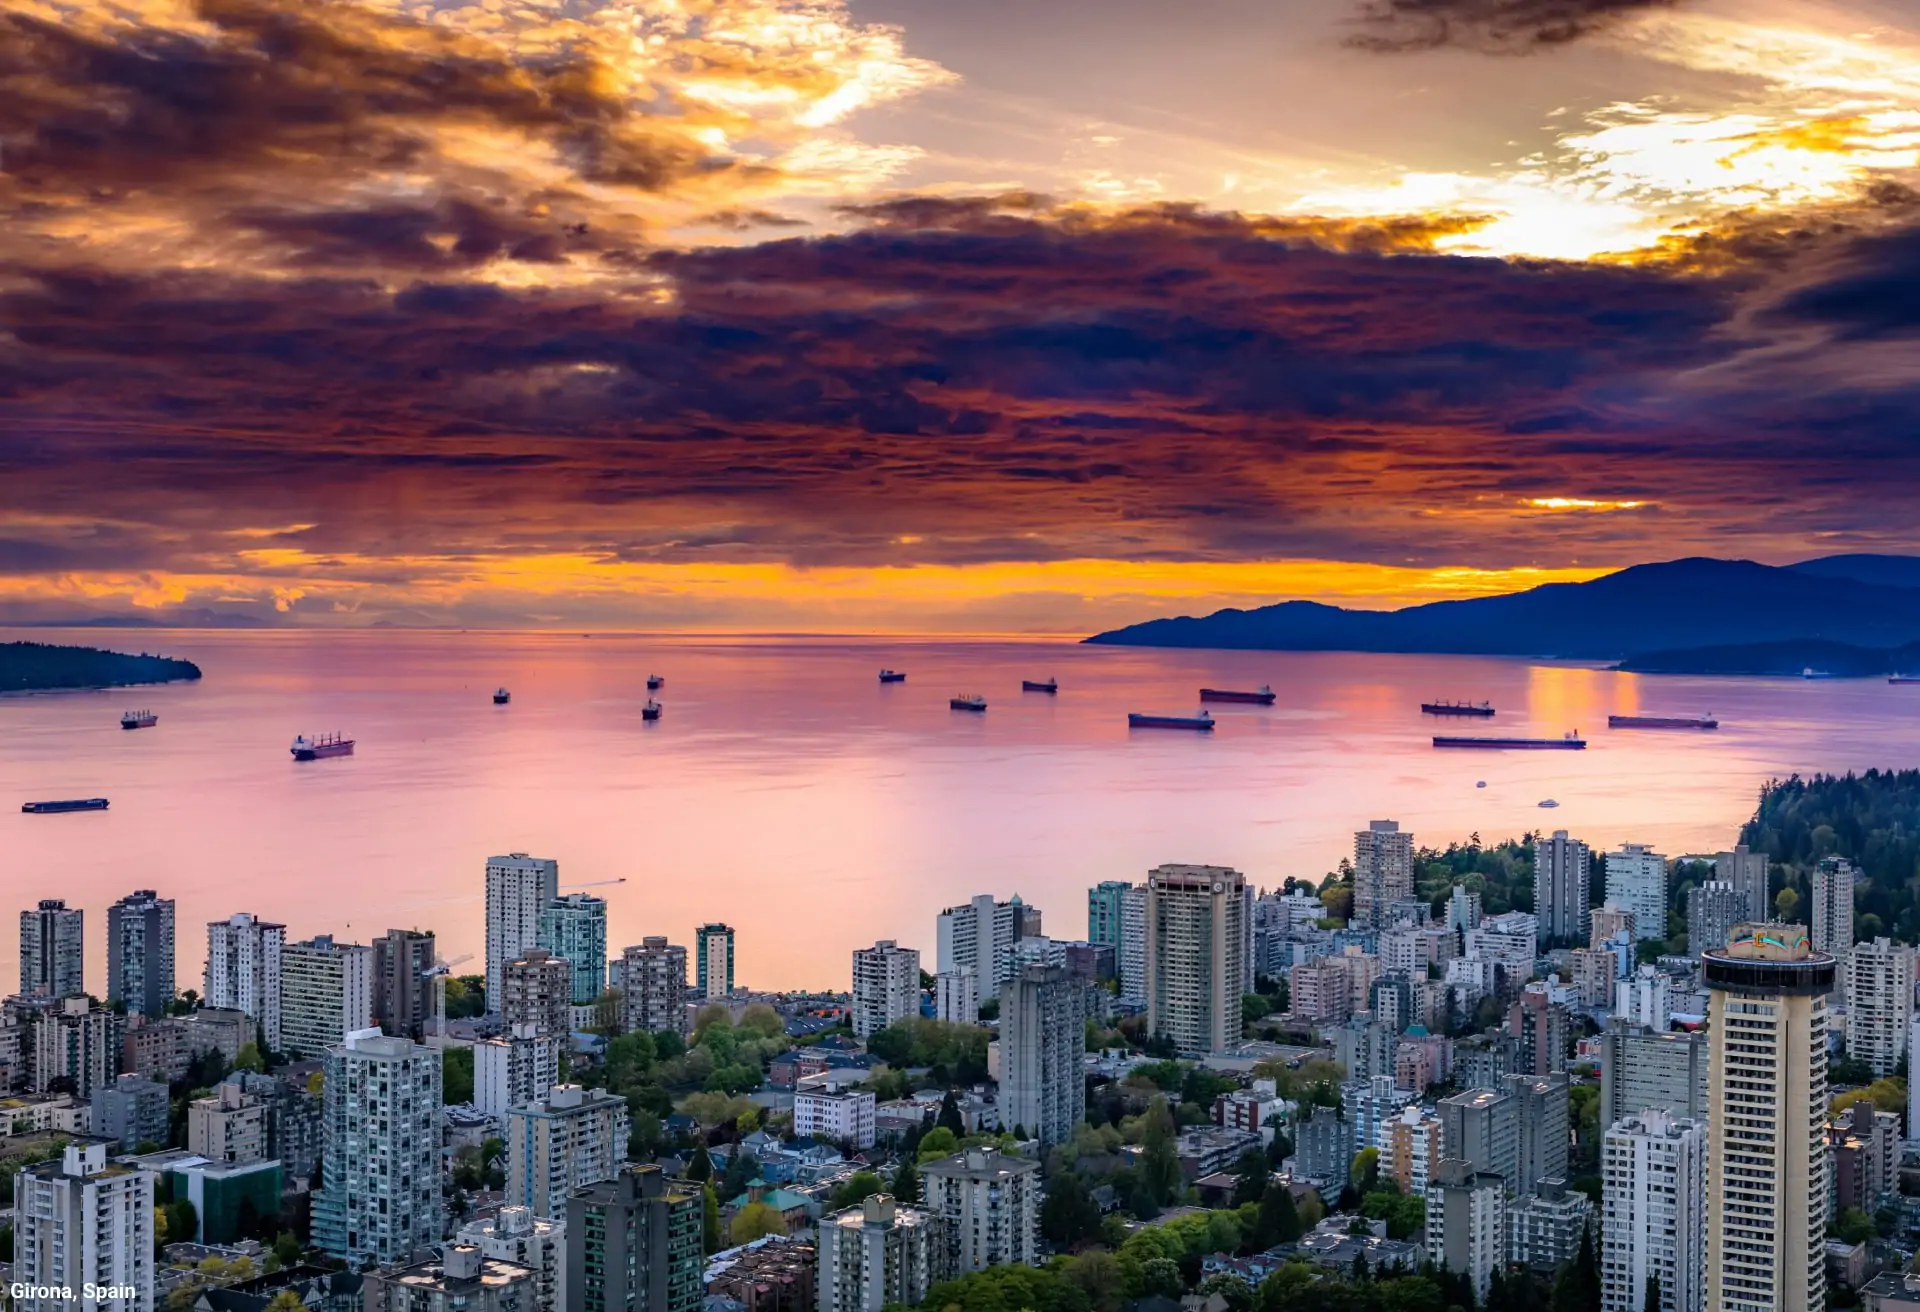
[461, 1279]
[538, 1243]
[881, 1254]
[131, 1111]
[841, 1117]
[1544, 1229]
[989, 1204]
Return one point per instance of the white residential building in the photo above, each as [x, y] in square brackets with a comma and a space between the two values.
[879, 1255]
[1768, 1174]
[243, 970]
[1043, 1043]
[956, 996]
[326, 992]
[519, 888]
[989, 1204]
[537, 1243]
[77, 1042]
[572, 1138]
[836, 1117]
[380, 1197]
[514, 1069]
[1510, 939]
[886, 986]
[1637, 882]
[1653, 1171]
[80, 1224]
[981, 933]
[228, 1127]
[1646, 997]
[1832, 912]
[1466, 1222]
[1879, 990]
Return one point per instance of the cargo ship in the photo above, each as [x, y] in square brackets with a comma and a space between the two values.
[1262, 697]
[653, 682]
[73, 804]
[1201, 720]
[966, 702]
[1039, 685]
[1573, 742]
[501, 696]
[1662, 722]
[319, 749]
[651, 711]
[1903, 678]
[139, 720]
[1482, 709]
[893, 676]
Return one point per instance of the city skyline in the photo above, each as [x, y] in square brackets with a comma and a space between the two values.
[812, 315]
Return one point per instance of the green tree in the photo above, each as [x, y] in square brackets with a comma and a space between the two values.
[937, 1143]
[700, 1166]
[1250, 1175]
[456, 1074]
[288, 1249]
[1651, 1303]
[949, 1118]
[249, 1059]
[906, 1181]
[286, 1301]
[1853, 1226]
[1159, 1168]
[710, 1220]
[1576, 1286]
[855, 1189]
[1786, 904]
[1069, 1216]
[1278, 1221]
[754, 1221]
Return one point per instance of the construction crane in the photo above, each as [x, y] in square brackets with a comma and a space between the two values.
[598, 883]
[438, 973]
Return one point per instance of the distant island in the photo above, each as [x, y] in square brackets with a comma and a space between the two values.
[42, 667]
[1844, 615]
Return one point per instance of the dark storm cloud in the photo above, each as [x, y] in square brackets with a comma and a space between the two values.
[987, 381]
[1490, 26]
[276, 84]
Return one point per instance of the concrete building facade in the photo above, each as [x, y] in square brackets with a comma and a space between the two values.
[1196, 955]
[519, 888]
[1043, 1043]
[886, 986]
[140, 950]
[326, 993]
[572, 1138]
[1766, 1150]
[243, 970]
[380, 1197]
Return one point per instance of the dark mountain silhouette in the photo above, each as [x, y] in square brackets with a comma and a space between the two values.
[1665, 607]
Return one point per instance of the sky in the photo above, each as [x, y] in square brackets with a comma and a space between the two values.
[1009, 316]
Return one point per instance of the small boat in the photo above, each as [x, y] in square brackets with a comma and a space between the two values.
[1262, 696]
[1572, 742]
[58, 808]
[1480, 783]
[139, 720]
[1037, 685]
[967, 702]
[1810, 673]
[653, 682]
[321, 748]
[651, 711]
[893, 676]
[501, 696]
[1549, 804]
[1662, 722]
[1481, 709]
[1199, 720]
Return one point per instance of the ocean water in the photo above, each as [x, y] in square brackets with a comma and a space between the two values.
[788, 793]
